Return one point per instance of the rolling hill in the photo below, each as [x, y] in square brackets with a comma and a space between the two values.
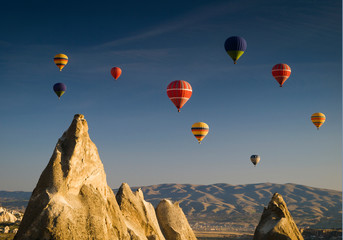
[233, 207]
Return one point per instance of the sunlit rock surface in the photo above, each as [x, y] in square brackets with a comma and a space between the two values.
[276, 222]
[173, 222]
[140, 216]
[72, 199]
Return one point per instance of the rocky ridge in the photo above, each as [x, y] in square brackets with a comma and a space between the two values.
[276, 222]
[73, 201]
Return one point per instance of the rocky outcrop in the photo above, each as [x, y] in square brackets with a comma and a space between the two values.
[276, 222]
[72, 199]
[7, 216]
[140, 216]
[173, 222]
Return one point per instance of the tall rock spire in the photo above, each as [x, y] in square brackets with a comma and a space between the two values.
[72, 199]
[276, 222]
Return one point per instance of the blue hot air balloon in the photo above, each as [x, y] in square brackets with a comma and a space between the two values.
[59, 89]
[235, 47]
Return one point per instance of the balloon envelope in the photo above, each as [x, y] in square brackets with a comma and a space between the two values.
[200, 130]
[255, 159]
[61, 60]
[281, 73]
[59, 89]
[116, 72]
[318, 119]
[179, 92]
[235, 47]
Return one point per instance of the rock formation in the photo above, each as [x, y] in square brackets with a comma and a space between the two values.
[276, 222]
[72, 199]
[173, 222]
[140, 216]
[7, 216]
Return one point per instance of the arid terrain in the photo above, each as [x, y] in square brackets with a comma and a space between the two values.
[233, 208]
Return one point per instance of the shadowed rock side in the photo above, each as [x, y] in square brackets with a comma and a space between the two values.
[140, 216]
[173, 222]
[72, 199]
[276, 222]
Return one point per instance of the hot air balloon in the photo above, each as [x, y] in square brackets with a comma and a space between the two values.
[318, 119]
[59, 89]
[116, 72]
[179, 92]
[61, 60]
[255, 159]
[235, 47]
[200, 130]
[281, 73]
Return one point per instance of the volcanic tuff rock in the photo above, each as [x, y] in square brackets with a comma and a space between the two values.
[276, 222]
[72, 199]
[140, 216]
[7, 216]
[173, 222]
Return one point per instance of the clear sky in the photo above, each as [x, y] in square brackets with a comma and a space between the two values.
[141, 138]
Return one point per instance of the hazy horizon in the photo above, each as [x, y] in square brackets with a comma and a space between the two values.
[141, 138]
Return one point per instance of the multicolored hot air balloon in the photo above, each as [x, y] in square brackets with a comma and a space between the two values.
[318, 119]
[59, 89]
[61, 60]
[116, 72]
[200, 130]
[281, 73]
[255, 159]
[235, 47]
[179, 92]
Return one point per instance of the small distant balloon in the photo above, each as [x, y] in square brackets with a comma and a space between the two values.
[59, 89]
[255, 159]
[200, 130]
[61, 60]
[318, 119]
[179, 92]
[116, 72]
[235, 46]
[281, 73]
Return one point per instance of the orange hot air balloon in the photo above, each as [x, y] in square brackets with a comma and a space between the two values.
[179, 92]
[116, 72]
[281, 73]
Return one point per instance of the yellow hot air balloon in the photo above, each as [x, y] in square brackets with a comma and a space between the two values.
[200, 130]
[318, 119]
[61, 60]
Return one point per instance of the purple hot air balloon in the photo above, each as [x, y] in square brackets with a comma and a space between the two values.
[235, 47]
[59, 89]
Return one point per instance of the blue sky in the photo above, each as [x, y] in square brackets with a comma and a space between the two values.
[141, 138]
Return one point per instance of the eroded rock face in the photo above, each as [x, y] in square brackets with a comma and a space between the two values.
[72, 199]
[7, 216]
[140, 216]
[173, 222]
[276, 222]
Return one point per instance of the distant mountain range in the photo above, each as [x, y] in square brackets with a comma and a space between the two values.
[232, 207]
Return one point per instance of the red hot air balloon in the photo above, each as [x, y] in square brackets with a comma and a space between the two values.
[281, 73]
[179, 92]
[116, 72]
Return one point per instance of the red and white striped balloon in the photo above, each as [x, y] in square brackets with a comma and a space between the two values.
[179, 92]
[281, 73]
